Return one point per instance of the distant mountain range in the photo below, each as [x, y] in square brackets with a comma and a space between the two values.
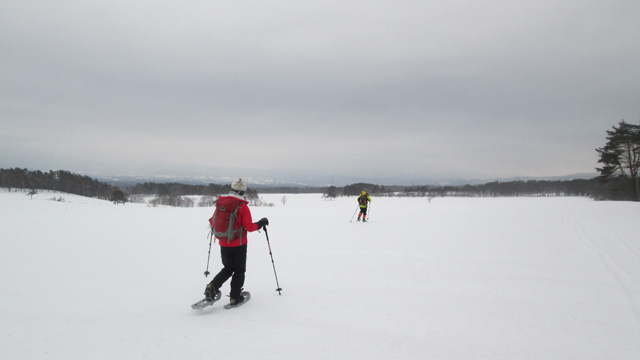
[301, 180]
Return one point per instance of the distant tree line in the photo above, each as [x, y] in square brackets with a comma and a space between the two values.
[595, 188]
[356, 189]
[60, 180]
[176, 194]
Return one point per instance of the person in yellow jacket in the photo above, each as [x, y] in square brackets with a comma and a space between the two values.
[364, 199]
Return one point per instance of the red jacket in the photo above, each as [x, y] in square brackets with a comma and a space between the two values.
[244, 219]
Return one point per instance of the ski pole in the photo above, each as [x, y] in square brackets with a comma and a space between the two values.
[279, 289]
[206, 272]
[354, 213]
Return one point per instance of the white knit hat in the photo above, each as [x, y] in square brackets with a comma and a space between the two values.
[239, 185]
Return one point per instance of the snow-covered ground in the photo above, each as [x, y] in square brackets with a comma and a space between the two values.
[454, 278]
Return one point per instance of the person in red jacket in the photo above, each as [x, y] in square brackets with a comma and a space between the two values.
[233, 251]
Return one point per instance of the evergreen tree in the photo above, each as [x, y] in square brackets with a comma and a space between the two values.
[118, 197]
[621, 157]
[331, 193]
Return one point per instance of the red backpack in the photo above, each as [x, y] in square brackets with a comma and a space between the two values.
[224, 222]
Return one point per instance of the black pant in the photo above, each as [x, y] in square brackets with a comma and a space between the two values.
[234, 260]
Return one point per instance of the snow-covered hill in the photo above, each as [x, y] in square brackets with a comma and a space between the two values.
[454, 278]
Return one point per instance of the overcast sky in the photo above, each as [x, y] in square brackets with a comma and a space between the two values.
[476, 89]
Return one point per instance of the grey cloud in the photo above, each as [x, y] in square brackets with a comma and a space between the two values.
[462, 86]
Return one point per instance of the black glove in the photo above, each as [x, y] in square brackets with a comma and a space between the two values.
[262, 223]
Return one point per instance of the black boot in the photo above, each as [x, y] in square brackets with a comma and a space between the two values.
[211, 293]
[238, 300]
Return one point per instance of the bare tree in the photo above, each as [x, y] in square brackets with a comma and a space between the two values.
[32, 192]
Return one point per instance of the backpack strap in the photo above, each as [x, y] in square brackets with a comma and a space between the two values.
[232, 221]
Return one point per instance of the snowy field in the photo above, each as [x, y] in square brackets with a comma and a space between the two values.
[454, 278]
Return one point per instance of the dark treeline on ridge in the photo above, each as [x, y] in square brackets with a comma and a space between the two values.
[59, 180]
[593, 188]
[66, 181]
